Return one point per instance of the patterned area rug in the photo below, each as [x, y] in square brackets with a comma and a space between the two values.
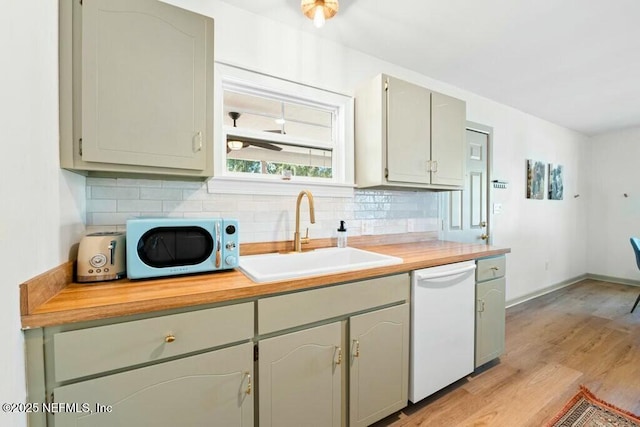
[586, 410]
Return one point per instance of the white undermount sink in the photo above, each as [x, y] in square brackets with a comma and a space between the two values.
[273, 267]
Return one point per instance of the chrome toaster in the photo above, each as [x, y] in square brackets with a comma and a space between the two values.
[101, 256]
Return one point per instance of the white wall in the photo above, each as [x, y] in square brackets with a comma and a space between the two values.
[42, 207]
[547, 238]
[613, 218]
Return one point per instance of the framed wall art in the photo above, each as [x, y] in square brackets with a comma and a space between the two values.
[535, 179]
[556, 187]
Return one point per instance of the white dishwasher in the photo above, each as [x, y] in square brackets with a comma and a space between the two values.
[442, 327]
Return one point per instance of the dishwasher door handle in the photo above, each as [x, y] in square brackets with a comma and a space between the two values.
[437, 275]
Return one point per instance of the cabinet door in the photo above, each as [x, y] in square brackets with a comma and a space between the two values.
[146, 84]
[379, 359]
[490, 320]
[300, 378]
[208, 389]
[408, 132]
[448, 123]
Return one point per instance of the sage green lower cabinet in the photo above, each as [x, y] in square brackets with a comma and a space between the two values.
[185, 367]
[301, 378]
[213, 389]
[379, 369]
[490, 309]
[349, 366]
[330, 356]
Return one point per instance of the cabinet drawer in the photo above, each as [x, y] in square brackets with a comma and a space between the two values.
[491, 268]
[288, 311]
[105, 348]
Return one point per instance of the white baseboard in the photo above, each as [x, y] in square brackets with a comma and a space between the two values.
[546, 290]
[613, 279]
[568, 282]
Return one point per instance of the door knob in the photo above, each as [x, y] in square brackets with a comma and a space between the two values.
[484, 236]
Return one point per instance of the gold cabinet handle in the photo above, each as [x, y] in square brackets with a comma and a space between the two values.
[480, 306]
[356, 353]
[248, 391]
[494, 268]
[339, 361]
[169, 338]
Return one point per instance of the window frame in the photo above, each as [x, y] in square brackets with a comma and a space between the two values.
[259, 84]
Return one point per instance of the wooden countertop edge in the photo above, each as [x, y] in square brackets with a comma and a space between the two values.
[39, 311]
[45, 286]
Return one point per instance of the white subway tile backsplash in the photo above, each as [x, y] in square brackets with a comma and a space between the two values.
[194, 194]
[111, 182]
[98, 205]
[126, 182]
[110, 202]
[110, 218]
[139, 206]
[182, 206]
[147, 193]
[115, 193]
[183, 184]
[102, 192]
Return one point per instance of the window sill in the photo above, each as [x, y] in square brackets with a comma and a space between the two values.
[238, 185]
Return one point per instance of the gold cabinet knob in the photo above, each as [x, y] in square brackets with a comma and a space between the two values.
[169, 338]
[484, 236]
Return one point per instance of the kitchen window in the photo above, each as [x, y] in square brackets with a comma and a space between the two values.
[271, 134]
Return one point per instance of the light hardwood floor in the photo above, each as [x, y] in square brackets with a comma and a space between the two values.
[582, 334]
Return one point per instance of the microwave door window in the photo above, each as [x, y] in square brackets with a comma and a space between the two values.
[175, 246]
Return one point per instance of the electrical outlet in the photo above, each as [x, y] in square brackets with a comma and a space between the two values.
[367, 228]
[497, 208]
[411, 225]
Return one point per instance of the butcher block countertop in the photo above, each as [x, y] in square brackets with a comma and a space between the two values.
[53, 299]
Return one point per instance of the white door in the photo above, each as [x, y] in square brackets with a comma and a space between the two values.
[465, 213]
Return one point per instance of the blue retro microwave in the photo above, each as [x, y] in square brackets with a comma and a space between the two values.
[158, 247]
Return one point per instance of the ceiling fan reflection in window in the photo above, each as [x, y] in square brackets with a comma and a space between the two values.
[238, 143]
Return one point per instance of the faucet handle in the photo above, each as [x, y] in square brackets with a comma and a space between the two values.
[305, 239]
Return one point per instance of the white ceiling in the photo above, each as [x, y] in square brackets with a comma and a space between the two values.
[575, 63]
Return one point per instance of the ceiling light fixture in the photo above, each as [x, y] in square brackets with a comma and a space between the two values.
[234, 144]
[319, 10]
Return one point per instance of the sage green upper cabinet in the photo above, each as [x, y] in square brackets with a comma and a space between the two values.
[408, 132]
[408, 136]
[448, 124]
[136, 88]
